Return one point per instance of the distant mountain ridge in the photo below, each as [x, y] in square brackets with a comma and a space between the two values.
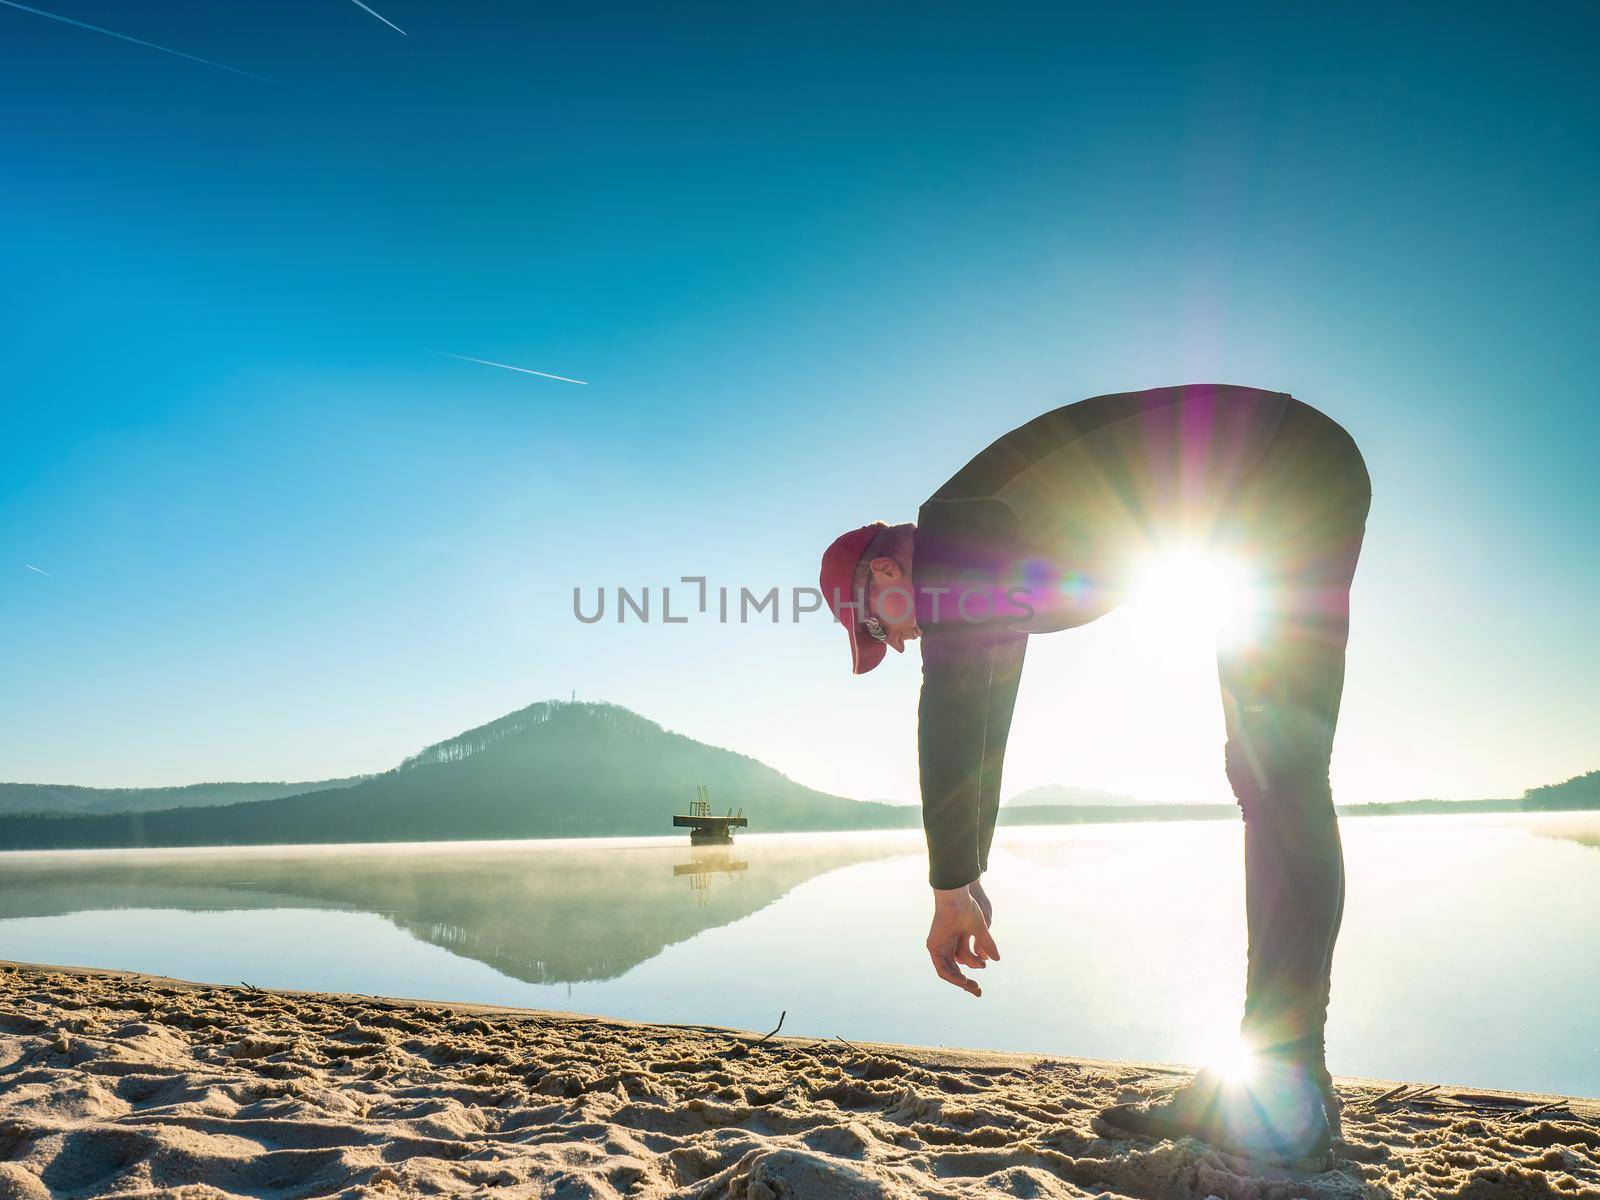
[579, 769]
[553, 769]
[1064, 794]
[57, 798]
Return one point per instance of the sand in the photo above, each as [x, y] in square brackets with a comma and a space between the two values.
[129, 1085]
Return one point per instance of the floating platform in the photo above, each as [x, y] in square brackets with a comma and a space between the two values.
[710, 830]
[706, 829]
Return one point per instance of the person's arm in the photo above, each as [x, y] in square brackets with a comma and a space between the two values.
[970, 675]
[1005, 676]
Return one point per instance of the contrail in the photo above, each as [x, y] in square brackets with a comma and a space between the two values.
[505, 366]
[39, 12]
[39, 570]
[382, 18]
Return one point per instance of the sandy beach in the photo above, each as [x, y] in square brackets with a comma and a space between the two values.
[114, 1084]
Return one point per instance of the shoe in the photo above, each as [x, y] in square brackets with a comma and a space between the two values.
[1279, 1115]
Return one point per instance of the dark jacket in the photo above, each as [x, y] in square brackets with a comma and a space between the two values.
[1043, 531]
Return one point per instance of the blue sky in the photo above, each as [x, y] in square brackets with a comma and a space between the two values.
[809, 262]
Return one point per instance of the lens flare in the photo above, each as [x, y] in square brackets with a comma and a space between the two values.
[1231, 1058]
[1183, 594]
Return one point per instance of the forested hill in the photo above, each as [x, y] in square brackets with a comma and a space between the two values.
[569, 770]
[550, 770]
[1581, 791]
[57, 798]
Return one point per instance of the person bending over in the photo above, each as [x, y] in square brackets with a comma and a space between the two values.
[1046, 529]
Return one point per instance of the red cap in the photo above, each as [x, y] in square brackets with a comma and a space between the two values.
[839, 562]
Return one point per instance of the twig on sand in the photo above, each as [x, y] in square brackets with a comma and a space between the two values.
[1389, 1095]
[746, 1047]
[852, 1045]
[1542, 1109]
[774, 1029]
[1393, 1098]
[1490, 1103]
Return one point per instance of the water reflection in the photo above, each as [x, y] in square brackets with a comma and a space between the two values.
[549, 912]
[705, 863]
[1581, 830]
[1467, 954]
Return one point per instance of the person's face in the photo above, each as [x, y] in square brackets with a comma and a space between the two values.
[890, 605]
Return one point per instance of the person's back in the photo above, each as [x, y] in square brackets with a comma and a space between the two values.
[1153, 456]
[1073, 502]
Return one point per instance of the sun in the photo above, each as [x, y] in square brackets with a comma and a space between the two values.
[1231, 1059]
[1184, 594]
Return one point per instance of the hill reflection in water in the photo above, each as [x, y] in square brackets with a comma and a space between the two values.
[540, 912]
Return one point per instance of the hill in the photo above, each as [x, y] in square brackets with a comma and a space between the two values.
[556, 769]
[1581, 791]
[549, 770]
[1061, 795]
[59, 798]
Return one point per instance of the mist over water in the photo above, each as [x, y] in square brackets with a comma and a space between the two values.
[1467, 954]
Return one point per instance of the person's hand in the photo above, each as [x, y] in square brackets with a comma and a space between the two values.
[959, 937]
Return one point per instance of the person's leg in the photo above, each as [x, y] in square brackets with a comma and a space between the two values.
[1281, 692]
[1300, 522]
[1279, 744]
[1283, 1110]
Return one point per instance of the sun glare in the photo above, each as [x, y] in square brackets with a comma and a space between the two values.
[1230, 1058]
[1185, 594]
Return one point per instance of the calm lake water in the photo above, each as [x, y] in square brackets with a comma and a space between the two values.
[1470, 952]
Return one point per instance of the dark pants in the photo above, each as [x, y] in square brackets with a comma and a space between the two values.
[1300, 523]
